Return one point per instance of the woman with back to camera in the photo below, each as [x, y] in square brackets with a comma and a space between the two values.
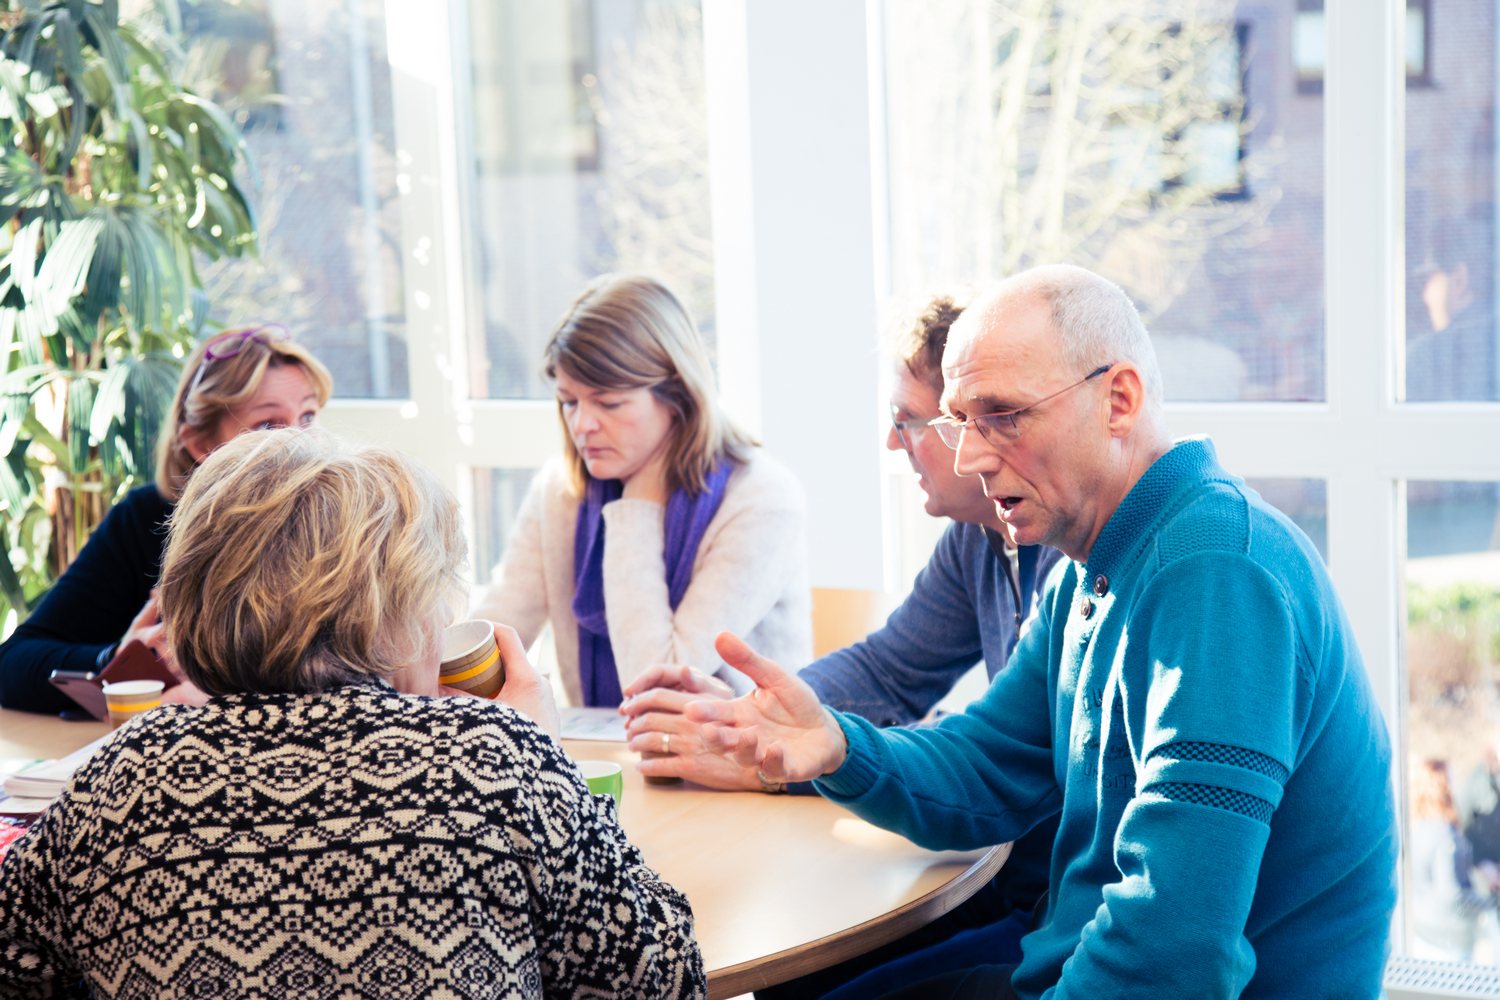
[239, 380]
[327, 824]
[663, 524]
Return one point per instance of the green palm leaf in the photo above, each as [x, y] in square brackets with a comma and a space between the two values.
[108, 416]
[112, 179]
[80, 412]
[67, 264]
[149, 385]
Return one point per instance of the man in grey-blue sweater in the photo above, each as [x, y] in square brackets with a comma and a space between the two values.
[966, 605]
[1190, 699]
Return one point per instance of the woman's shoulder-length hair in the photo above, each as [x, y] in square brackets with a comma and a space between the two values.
[208, 387]
[297, 562]
[629, 331]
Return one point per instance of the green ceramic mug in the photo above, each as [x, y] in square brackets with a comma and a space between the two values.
[604, 778]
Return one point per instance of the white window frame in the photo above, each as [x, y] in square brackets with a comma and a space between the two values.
[451, 433]
[1364, 443]
[777, 276]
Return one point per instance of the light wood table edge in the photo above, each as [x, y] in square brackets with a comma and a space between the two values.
[735, 980]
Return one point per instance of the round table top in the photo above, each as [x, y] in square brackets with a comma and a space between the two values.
[43, 737]
[784, 885]
[780, 885]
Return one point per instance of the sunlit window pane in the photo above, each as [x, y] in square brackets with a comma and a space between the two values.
[1453, 651]
[1450, 207]
[1168, 148]
[497, 498]
[590, 154]
[309, 83]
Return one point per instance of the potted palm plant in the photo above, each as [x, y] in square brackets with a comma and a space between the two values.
[113, 179]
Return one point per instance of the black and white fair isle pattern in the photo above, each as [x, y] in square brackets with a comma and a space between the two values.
[350, 844]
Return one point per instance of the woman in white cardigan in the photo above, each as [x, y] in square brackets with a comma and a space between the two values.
[663, 524]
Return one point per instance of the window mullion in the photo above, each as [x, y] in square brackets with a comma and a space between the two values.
[423, 113]
[1363, 103]
[1364, 95]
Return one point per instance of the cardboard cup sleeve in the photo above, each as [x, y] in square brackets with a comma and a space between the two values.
[127, 699]
[471, 660]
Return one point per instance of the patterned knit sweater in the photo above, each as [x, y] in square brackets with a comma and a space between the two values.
[346, 844]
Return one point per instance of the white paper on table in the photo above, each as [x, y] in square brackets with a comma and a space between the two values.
[47, 779]
[593, 724]
[12, 806]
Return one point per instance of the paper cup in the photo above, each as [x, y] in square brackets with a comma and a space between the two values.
[127, 699]
[604, 778]
[471, 660]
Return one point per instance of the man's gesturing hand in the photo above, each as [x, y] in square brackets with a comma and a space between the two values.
[780, 728]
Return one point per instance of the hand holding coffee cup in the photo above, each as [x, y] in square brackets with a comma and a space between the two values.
[514, 680]
[471, 659]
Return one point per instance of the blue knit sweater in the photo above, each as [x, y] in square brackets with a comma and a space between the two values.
[1193, 703]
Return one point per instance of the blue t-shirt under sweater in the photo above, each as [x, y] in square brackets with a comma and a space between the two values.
[1193, 703]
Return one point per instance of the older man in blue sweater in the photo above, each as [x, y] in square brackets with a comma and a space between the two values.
[1190, 701]
[967, 604]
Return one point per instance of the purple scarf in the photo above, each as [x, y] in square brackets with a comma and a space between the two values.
[687, 518]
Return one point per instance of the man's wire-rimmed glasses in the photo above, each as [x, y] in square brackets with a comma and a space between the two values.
[1001, 428]
[902, 426]
[232, 342]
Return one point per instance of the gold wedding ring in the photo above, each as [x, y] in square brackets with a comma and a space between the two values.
[665, 751]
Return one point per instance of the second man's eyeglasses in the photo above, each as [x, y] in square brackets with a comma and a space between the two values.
[902, 426]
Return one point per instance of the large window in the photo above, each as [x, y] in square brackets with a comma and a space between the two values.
[309, 82]
[1167, 148]
[589, 154]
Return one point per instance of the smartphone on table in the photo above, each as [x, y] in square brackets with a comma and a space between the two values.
[134, 661]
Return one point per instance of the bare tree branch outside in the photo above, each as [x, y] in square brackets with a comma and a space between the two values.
[1105, 133]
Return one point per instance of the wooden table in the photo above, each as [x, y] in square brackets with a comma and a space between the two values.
[784, 885]
[41, 737]
[780, 885]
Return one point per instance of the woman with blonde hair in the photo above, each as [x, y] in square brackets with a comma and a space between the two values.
[663, 523]
[246, 379]
[327, 823]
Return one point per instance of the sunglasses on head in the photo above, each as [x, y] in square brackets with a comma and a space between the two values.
[232, 342]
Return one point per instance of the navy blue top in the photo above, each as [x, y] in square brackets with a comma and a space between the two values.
[89, 609]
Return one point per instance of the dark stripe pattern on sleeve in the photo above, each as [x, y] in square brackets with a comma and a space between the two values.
[1163, 762]
[1220, 798]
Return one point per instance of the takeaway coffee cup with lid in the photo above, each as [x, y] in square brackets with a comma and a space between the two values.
[471, 660]
[127, 699]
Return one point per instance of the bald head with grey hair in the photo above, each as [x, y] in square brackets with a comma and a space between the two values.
[1095, 322]
[1052, 376]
